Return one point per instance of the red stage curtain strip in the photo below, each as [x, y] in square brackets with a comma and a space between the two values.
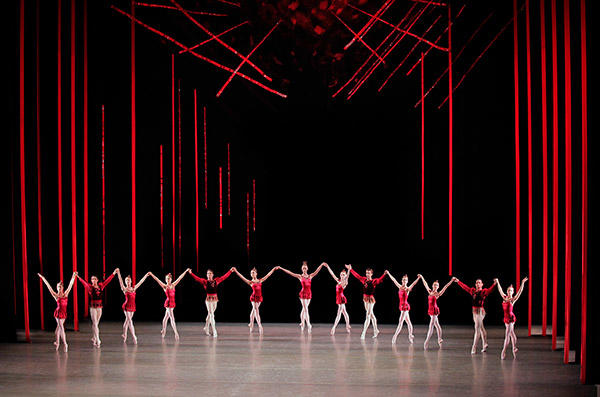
[73, 170]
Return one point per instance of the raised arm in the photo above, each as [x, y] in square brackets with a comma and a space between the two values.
[121, 281]
[518, 295]
[316, 271]
[141, 281]
[104, 283]
[360, 278]
[393, 279]
[86, 285]
[337, 280]
[426, 285]
[463, 286]
[410, 287]
[502, 294]
[489, 289]
[73, 277]
[198, 279]
[290, 273]
[244, 279]
[268, 274]
[186, 271]
[446, 287]
[377, 281]
[224, 277]
[162, 285]
[54, 294]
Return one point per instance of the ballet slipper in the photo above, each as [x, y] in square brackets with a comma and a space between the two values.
[332, 332]
[135, 340]
[260, 329]
[484, 348]
[362, 336]
[375, 333]
[66, 348]
[474, 350]
[503, 355]
[411, 338]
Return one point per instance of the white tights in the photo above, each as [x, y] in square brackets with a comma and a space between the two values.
[434, 323]
[211, 307]
[169, 315]
[341, 310]
[255, 316]
[304, 316]
[369, 318]
[95, 314]
[60, 333]
[510, 336]
[404, 317]
[128, 326]
[480, 331]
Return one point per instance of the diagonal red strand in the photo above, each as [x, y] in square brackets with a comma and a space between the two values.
[370, 23]
[152, 5]
[249, 55]
[224, 44]
[356, 36]
[212, 38]
[214, 63]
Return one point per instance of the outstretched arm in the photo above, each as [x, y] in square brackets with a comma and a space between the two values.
[290, 273]
[502, 294]
[316, 271]
[140, 282]
[68, 291]
[244, 279]
[222, 278]
[54, 294]
[198, 279]
[104, 283]
[393, 279]
[463, 286]
[85, 283]
[360, 278]
[269, 274]
[121, 281]
[186, 271]
[489, 289]
[162, 285]
[410, 287]
[426, 285]
[518, 295]
[446, 287]
[332, 274]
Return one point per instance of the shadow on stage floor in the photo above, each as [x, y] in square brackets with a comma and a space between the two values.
[283, 362]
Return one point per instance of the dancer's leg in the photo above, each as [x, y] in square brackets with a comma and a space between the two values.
[173, 325]
[125, 327]
[163, 331]
[411, 336]
[483, 332]
[256, 307]
[61, 322]
[513, 339]
[305, 303]
[367, 319]
[401, 320]
[212, 308]
[374, 321]
[477, 332]
[438, 328]
[57, 333]
[207, 323]
[337, 319]
[302, 317]
[430, 331]
[346, 317]
[506, 341]
[129, 316]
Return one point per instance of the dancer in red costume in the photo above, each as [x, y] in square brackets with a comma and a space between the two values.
[95, 291]
[256, 297]
[508, 300]
[61, 296]
[340, 299]
[478, 294]
[432, 308]
[129, 304]
[169, 287]
[403, 291]
[210, 284]
[305, 293]
[369, 283]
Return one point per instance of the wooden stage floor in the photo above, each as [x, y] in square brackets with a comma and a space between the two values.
[282, 363]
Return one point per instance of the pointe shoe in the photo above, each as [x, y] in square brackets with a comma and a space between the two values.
[503, 355]
[302, 327]
[515, 350]
[56, 344]
[215, 334]
[177, 337]
[362, 336]
[375, 333]
[260, 329]
[394, 340]
[207, 331]
[332, 332]
[98, 343]
[348, 329]
[66, 348]
[484, 348]
[135, 340]
[440, 341]
[411, 338]
[309, 329]
[163, 332]
[473, 350]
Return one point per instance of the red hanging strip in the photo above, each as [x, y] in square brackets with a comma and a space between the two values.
[133, 133]
[568, 180]
[73, 174]
[39, 157]
[196, 175]
[544, 171]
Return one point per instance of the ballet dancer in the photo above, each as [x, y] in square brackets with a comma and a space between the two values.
[129, 304]
[508, 300]
[369, 283]
[432, 308]
[340, 299]
[169, 287]
[95, 290]
[478, 294]
[256, 297]
[210, 284]
[61, 296]
[403, 291]
[305, 293]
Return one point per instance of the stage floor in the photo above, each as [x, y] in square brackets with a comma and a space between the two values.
[283, 362]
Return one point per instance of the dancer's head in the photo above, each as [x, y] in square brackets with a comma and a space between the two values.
[510, 291]
[169, 278]
[304, 267]
[128, 281]
[369, 273]
[60, 288]
[94, 281]
[253, 273]
[405, 280]
[343, 275]
[435, 285]
[478, 284]
[209, 274]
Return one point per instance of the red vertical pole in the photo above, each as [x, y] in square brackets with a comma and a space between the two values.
[248, 225]
[545, 170]
[228, 180]
[205, 165]
[568, 182]
[85, 153]
[73, 169]
[517, 156]
[196, 174]
[179, 169]
[220, 197]
[22, 165]
[12, 224]
[39, 157]
[422, 148]
[254, 205]
[554, 178]
[584, 194]
[529, 176]
[133, 131]
[162, 237]
[173, 154]
[450, 139]
[59, 130]
[103, 205]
